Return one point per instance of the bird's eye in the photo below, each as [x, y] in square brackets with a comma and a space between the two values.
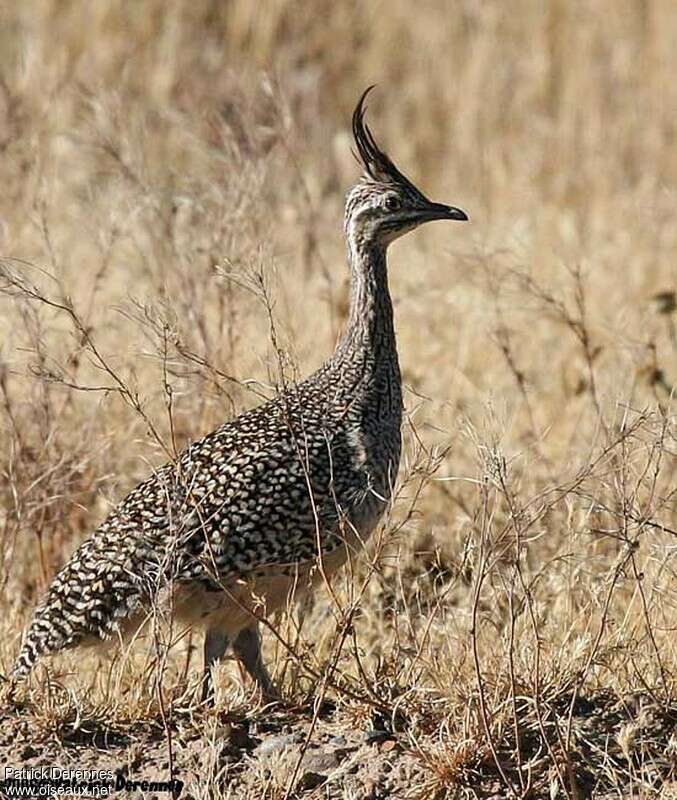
[392, 203]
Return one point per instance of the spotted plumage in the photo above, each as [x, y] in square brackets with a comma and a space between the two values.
[240, 520]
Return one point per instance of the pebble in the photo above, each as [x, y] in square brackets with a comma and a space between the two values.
[311, 780]
[320, 761]
[276, 744]
[374, 737]
[240, 738]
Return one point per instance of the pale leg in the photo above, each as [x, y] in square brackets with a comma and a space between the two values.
[216, 644]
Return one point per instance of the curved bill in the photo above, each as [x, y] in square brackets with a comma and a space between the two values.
[440, 211]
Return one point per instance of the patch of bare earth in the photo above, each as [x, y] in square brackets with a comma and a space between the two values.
[615, 747]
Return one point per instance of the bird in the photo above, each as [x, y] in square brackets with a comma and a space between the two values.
[274, 500]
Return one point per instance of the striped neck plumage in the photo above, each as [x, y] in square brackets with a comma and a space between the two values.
[368, 341]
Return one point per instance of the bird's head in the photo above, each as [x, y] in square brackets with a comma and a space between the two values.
[385, 204]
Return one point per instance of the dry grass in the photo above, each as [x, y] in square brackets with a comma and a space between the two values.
[172, 183]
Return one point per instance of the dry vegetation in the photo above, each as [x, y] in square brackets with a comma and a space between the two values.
[172, 183]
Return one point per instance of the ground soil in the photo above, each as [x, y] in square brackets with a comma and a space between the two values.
[618, 745]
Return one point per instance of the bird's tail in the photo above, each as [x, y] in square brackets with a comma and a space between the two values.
[89, 597]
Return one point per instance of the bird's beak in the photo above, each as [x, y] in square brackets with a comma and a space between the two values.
[439, 211]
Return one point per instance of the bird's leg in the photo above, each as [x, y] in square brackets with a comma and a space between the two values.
[247, 647]
[216, 644]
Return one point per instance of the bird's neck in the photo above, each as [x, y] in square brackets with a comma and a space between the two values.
[367, 350]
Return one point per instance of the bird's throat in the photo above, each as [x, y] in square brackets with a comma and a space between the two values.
[368, 348]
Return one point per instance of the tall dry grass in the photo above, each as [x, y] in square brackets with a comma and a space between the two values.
[172, 182]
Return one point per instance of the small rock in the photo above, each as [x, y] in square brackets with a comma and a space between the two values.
[240, 738]
[337, 741]
[276, 744]
[320, 761]
[327, 708]
[374, 737]
[311, 780]
[268, 727]
[388, 746]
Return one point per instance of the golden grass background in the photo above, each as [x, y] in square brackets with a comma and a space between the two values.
[159, 160]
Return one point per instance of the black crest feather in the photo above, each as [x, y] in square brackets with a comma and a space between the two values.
[376, 163]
